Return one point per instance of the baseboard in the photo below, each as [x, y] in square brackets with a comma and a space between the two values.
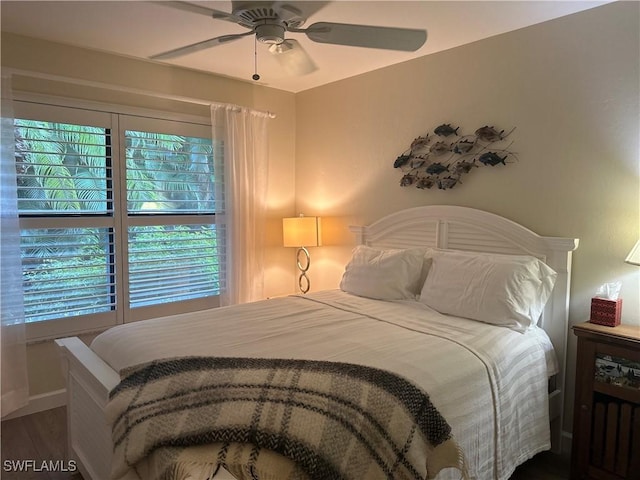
[40, 403]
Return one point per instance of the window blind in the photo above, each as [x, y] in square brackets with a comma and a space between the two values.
[117, 217]
[67, 272]
[169, 173]
[171, 263]
[63, 172]
[62, 168]
[172, 179]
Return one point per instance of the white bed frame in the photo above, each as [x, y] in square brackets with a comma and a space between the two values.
[89, 378]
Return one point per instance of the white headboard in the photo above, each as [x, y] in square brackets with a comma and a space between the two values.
[462, 228]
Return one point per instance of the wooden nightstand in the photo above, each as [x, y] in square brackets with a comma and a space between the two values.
[606, 418]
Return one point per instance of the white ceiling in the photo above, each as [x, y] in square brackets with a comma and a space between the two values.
[142, 29]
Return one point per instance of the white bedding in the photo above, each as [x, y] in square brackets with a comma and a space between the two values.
[463, 364]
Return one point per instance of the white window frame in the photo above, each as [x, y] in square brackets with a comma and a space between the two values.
[117, 118]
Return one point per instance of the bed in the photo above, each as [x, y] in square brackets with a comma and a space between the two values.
[501, 389]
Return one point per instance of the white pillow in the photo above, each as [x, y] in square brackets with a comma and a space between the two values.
[383, 274]
[508, 290]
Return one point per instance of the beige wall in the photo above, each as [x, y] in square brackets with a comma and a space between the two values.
[51, 60]
[570, 86]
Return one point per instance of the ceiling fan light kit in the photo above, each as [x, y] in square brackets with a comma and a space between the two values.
[292, 58]
[269, 22]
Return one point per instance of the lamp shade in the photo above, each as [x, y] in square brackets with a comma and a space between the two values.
[634, 256]
[301, 232]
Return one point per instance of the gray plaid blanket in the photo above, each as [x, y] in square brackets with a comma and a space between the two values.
[275, 419]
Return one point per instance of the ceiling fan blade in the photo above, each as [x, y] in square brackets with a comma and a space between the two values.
[388, 38]
[296, 13]
[293, 59]
[195, 47]
[310, 7]
[193, 8]
[287, 12]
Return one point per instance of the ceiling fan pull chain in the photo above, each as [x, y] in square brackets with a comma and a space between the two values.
[255, 76]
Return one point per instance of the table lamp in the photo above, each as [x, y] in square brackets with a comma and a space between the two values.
[634, 255]
[301, 232]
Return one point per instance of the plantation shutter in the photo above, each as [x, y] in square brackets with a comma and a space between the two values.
[65, 202]
[67, 272]
[117, 217]
[63, 168]
[174, 249]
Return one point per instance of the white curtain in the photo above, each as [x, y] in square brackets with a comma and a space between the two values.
[15, 387]
[241, 214]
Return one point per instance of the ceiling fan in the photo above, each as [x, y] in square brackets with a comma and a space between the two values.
[269, 22]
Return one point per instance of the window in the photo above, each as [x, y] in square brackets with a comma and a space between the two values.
[173, 254]
[117, 216]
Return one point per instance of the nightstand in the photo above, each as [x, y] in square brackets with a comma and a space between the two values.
[606, 418]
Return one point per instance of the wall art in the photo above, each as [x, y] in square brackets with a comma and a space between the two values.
[441, 158]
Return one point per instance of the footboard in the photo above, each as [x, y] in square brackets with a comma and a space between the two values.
[89, 380]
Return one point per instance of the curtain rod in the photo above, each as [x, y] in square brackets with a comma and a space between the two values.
[119, 88]
[238, 108]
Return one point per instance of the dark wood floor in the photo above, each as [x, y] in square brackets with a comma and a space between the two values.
[39, 437]
[43, 437]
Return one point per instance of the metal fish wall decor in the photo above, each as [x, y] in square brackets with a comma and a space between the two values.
[441, 158]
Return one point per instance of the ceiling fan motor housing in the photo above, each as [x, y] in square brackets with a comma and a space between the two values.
[270, 33]
[269, 23]
[253, 11]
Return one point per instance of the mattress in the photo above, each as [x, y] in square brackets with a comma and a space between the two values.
[489, 382]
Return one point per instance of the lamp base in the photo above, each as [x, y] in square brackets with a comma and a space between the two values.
[303, 280]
